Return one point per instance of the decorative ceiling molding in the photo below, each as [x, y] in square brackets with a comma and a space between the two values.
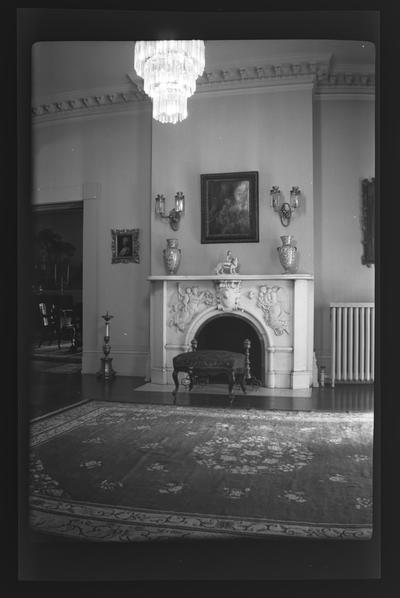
[265, 73]
[90, 106]
[345, 85]
[354, 79]
[230, 79]
[86, 102]
[305, 82]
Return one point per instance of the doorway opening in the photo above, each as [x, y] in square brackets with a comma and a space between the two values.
[57, 286]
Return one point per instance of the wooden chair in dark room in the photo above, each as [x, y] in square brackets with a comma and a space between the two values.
[48, 323]
[69, 328]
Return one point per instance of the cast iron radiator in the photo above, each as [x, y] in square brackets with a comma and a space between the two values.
[352, 342]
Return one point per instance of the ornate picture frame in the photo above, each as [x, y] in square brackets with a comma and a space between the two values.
[368, 221]
[229, 207]
[125, 246]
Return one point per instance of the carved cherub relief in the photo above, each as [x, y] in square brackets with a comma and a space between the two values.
[271, 302]
[189, 300]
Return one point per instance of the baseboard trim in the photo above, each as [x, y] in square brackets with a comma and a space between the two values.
[125, 363]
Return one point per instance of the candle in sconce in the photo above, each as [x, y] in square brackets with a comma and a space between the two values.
[67, 273]
[107, 330]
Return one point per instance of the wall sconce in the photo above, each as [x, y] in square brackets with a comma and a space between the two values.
[174, 215]
[286, 209]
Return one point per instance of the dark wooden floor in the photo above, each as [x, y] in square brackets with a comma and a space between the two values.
[50, 391]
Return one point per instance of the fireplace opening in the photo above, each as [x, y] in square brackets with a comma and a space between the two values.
[228, 332]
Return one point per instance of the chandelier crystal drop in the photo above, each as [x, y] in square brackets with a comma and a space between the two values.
[169, 69]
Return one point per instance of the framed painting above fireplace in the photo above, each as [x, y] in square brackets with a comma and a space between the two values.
[229, 207]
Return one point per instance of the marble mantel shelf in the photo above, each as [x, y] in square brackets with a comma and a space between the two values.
[234, 277]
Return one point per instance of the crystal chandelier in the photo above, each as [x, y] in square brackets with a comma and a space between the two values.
[169, 69]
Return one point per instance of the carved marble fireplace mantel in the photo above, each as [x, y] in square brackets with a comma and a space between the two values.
[280, 307]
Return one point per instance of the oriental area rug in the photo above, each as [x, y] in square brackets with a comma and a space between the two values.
[118, 472]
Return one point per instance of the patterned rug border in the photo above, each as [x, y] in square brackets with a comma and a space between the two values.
[60, 410]
[48, 427]
[92, 405]
[110, 523]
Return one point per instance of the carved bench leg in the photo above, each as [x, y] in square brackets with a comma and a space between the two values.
[176, 380]
[240, 378]
[191, 377]
[231, 381]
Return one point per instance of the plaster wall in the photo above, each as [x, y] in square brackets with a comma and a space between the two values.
[104, 160]
[344, 142]
[269, 132]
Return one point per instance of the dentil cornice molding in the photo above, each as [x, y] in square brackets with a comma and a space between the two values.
[86, 102]
[288, 68]
[285, 71]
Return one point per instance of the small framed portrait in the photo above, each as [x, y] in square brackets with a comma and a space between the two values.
[125, 245]
[229, 207]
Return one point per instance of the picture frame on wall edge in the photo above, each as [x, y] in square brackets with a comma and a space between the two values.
[125, 246]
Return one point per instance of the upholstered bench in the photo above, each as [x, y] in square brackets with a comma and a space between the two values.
[210, 363]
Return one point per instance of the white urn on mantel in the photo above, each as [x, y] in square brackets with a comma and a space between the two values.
[287, 254]
[172, 256]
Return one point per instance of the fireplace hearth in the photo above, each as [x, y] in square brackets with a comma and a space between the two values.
[228, 332]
